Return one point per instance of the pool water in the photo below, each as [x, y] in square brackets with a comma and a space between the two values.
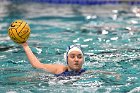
[108, 34]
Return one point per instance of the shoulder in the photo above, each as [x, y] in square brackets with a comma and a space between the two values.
[60, 68]
[54, 68]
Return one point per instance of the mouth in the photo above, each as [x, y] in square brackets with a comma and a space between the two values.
[76, 64]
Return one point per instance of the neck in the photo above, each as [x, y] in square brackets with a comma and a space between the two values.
[69, 69]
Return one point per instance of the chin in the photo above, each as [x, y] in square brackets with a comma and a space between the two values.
[76, 68]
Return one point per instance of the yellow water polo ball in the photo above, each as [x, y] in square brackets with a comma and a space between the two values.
[19, 31]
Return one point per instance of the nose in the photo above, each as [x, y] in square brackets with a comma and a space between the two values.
[76, 59]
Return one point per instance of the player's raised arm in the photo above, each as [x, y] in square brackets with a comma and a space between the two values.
[34, 61]
[19, 32]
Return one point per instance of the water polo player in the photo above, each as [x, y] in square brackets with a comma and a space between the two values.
[73, 56]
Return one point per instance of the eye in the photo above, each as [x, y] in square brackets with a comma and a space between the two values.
[79, 56]
[72, 56]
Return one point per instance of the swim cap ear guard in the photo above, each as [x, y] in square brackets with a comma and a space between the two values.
[72, 48]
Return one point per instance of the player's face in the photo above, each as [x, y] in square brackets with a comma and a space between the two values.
[75, 60]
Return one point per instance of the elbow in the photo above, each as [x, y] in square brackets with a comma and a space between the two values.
[38, 66]
[34, 66]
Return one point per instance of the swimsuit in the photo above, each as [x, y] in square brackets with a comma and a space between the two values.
[71, 73]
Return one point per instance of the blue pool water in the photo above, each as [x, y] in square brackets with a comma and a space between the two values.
[109, 35]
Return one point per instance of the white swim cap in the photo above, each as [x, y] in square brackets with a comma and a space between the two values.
[70, 49]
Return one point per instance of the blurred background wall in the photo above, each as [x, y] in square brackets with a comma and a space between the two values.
[82, 2]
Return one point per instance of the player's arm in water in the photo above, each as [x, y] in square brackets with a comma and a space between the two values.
[52, 68]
